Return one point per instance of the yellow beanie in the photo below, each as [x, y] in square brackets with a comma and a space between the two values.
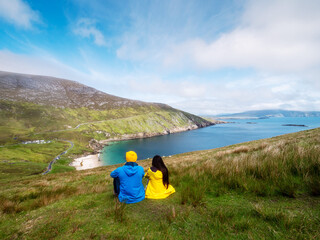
[131, 156]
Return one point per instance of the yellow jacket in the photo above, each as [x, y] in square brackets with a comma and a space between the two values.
[155, 188]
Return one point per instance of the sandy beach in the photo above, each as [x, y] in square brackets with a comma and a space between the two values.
[87, 162]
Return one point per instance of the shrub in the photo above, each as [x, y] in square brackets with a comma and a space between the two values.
[8, 206]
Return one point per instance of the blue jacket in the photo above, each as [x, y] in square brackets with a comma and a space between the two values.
[131, 187]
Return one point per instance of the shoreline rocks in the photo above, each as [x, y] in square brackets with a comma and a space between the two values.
[125, 137]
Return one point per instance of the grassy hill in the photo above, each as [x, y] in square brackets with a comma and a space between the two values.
[24, 120]
[266, 189]
[21, 122]
[46, 108]
[32, 105]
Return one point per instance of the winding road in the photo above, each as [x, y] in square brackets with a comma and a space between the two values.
[58, 157]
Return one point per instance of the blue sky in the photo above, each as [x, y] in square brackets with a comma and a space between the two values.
[204, 57]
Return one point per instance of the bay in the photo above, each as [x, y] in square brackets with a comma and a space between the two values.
[220, 135]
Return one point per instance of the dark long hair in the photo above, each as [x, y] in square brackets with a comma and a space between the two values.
[158, 163]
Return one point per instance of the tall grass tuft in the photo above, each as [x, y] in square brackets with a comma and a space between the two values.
[285, 168]
[313, 185]
[34, 199]
[9, 206]
[267, 214]
[120, 213]
[193, 190]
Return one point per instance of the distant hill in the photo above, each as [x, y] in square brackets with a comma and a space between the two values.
[61, 108]
[271, 113]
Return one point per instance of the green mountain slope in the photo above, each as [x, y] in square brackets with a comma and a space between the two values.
[266, 189]
[24, 120]
[32, 104]
[39, 107]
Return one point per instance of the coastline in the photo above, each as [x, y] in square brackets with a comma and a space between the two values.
[133, 136]
[86, 162]
[92, 160]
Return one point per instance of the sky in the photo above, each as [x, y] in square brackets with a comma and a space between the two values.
[204, 57]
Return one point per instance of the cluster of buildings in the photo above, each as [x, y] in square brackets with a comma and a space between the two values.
[37, 142]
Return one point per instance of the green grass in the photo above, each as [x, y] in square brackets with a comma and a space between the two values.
[266, 189]
[42, 153]
[27, 121]
[32, 159]
[153, 122]
[16, 169]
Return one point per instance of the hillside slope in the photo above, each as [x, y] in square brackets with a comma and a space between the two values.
[62, 111]
[57, 92]
[266, 189]
[36, 104]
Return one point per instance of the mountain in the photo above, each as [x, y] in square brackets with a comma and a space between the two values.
[31, 105]
[57, 92]
[271, 113]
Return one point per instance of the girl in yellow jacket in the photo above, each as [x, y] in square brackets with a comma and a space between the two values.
[158, 186]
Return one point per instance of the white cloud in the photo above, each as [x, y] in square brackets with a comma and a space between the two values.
[272, 36]
[155, 86]
[18, 13]
[47, 65]
[87, 28]
[154, 26]
[203, 97]
[278, 41]
[270, 92]
[38, 65]
[199, 97]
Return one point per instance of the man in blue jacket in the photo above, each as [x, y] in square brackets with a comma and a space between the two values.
[130, 176]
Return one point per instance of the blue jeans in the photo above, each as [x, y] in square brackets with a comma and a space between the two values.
[116, 186]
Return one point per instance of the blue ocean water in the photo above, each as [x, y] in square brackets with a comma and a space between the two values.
[220, 135]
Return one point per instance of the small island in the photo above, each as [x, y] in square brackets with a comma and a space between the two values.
[294, 125]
